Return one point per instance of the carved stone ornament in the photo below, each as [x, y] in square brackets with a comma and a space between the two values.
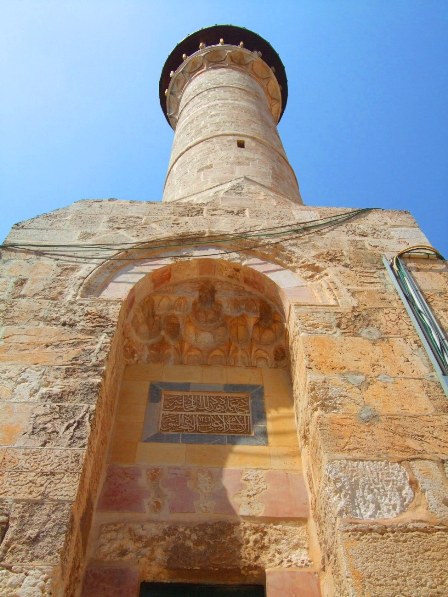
[194, 413]
[206, 412]
[205, 323]
[218, 57]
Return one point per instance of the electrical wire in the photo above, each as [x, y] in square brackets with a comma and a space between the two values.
[286, 232]
[214, 236]
[220, 238]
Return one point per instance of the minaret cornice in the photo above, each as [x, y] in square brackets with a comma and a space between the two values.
[223, 56]
[219, 35]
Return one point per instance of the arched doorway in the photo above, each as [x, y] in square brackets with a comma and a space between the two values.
[203, 482]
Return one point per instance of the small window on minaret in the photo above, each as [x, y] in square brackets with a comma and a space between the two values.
[241, 143]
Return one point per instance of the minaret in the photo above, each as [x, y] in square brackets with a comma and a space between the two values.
[223, 90]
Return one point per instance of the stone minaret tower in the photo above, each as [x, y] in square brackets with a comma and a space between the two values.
[223, 90]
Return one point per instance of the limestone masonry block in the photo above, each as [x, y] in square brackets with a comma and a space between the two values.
[44, 460]
[245, 546]
[367, 489]
[386, 437]
[401, 561]
[393, 356]
[25, 582]
[434, 484]
[15, 418]
[55, 425]
[20, 383]
[26, 542]
[350, 392]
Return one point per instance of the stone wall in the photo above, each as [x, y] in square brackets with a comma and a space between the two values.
[371, 417]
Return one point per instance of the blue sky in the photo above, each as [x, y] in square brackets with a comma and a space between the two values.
[366, 122]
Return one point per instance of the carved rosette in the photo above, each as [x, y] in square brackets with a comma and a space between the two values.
[218, 57]
[205, 323]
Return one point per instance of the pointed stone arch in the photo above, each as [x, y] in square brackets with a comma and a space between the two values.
[116, 277]
[203, 325]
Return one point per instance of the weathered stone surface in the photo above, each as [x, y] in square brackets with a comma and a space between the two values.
[375, 298]
[55, 425]
[167, 491]
[331, 394]
[71, 384]
[350, 392]
[25, 582]
[384, 437]
[434, 484]
[123, 490]
[37, 485]
[59, 284]
[51, 346]
[395, 561]
[78, 316]
[394, 356]
[372, 324]
[430, 274]
[367, 489]
[79, 391]
[36, 534]
[438, 302]
[15, 417]
[291, 583]
[111, 582]
[40, 473]
[19, 383]
[245, 546]
[389, 395]
[44, 460]
[5, 509]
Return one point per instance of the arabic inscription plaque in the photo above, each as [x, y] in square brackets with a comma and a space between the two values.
[205, 412]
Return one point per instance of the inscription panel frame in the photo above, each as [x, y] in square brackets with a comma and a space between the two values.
[208, 412]
[151, 432]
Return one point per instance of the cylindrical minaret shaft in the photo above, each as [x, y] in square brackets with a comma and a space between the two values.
[224, 102]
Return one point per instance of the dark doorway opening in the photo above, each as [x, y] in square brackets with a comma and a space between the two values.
[161, 589]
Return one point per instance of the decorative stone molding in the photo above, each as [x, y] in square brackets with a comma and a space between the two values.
[205, 322]
[218, 57]
[117, 278]
[192, 413]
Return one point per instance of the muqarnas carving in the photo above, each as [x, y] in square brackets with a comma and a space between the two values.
[206, 323]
